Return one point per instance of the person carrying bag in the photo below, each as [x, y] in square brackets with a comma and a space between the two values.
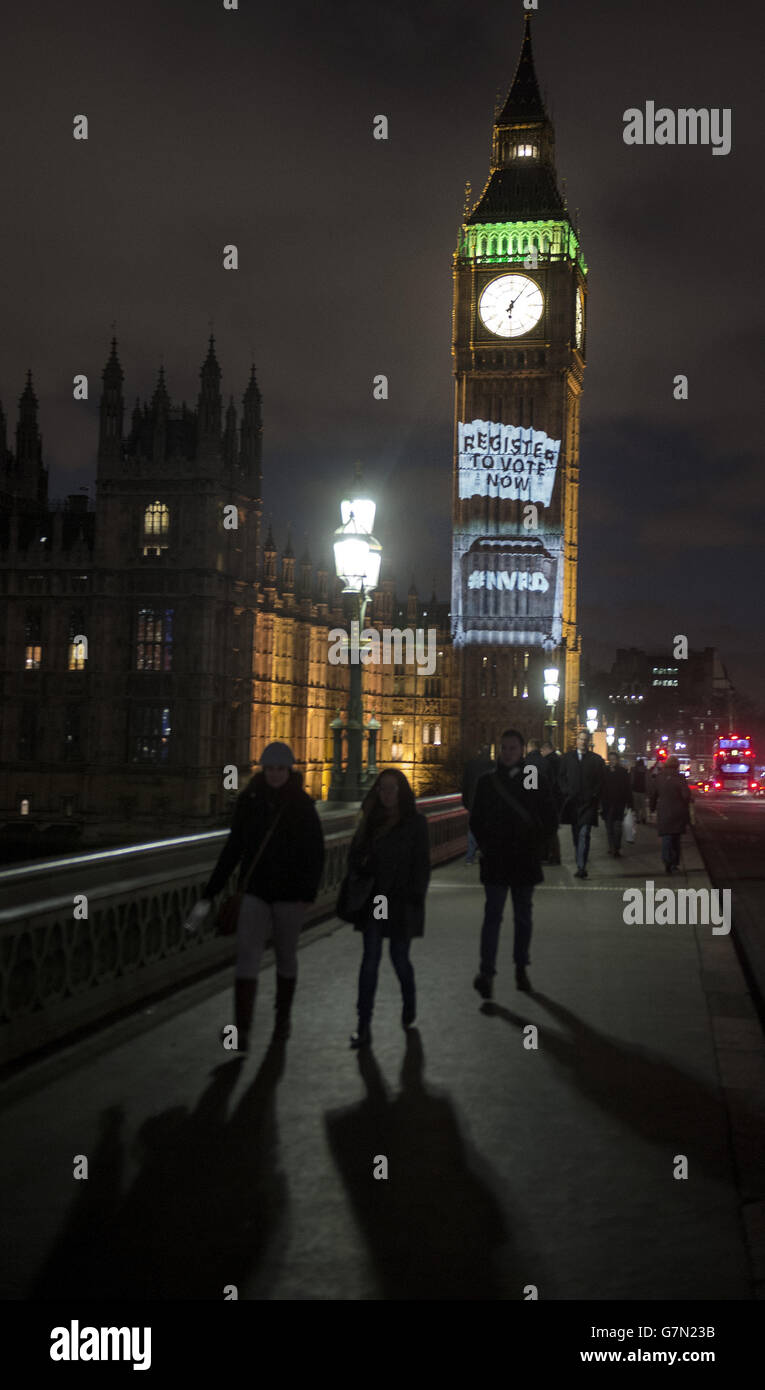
[276, 837]
[383, 892]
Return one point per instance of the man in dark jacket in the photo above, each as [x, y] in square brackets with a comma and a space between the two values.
[615, 797]
[671, 799]
[512, 819]
[474, 769]
[276, 838]
[581, 779]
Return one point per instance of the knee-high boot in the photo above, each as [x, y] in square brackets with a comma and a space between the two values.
[244, 1006]
[285, 990]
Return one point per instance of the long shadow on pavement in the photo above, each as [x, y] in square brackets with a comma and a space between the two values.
[434, 1227]
[641, 1089]
[202, 1213]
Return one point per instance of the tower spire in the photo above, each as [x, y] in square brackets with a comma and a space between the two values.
[522, 182]
[112, 408]
[524, 100]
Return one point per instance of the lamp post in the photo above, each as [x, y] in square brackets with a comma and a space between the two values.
[610, 735]
[552, 695]
[357, 561]
[592, 720]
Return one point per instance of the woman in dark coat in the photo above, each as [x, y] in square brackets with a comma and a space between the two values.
[671, 799]
[276, 827]
[389, 856]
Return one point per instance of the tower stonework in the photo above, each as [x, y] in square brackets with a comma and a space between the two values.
[518, 347]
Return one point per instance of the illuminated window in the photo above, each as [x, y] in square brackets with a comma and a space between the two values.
[32, 640]
[77, 641]
[156, 519]
[525, 661]
[154, 646]
[150, 735]
[397, 740]
[515, 690]
[426, 733]
[156, 526]
[525, 695]
[525, 151]
[437, 735]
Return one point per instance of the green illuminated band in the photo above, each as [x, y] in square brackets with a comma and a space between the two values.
[502, 243]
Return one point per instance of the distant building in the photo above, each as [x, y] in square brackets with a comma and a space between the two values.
[153, 640]
[651, 697]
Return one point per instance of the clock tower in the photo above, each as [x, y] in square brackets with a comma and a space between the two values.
[519, 331]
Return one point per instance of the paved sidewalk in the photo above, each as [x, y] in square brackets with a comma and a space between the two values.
[507, 1166]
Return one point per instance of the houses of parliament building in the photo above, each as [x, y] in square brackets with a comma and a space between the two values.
[149, 644]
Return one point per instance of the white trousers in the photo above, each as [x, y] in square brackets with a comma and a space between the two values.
[259, 920]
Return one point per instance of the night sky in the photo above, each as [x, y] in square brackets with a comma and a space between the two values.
[255, 127]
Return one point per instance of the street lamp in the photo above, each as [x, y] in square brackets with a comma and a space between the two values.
[610, 736]
[592, 720]
[358, 557]
[552, 695]
[622, 744]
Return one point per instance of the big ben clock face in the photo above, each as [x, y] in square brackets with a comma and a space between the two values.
[510, 305]
[579, 324]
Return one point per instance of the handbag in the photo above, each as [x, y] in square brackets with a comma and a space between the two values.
[629, 826]
[355, 891]
[228, 912]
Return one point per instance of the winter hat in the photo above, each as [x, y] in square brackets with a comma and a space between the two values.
[277, 755]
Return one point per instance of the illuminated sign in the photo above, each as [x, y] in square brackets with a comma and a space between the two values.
[502, 579]
[507, 575]
[506, 461]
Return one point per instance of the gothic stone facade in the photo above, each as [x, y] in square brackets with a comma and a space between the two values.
[148, 644]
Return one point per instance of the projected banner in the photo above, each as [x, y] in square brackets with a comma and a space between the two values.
[507, 561]
[505, 461]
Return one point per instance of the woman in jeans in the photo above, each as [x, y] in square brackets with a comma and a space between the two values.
[276, 820]
[390, 849]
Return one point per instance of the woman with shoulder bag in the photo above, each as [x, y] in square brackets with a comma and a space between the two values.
[276, 837]
[389, 858]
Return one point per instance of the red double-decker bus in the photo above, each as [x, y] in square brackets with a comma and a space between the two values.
[734, 760]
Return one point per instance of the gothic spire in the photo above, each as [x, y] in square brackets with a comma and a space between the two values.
[524, 100]
[210, 405]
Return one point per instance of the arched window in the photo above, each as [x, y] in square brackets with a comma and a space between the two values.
[156, 519]
[156, 528]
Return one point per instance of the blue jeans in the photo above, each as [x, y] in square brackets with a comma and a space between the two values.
[472, 848]
[496, 894]
[370, 964]
[670, 849]
[581, 838]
